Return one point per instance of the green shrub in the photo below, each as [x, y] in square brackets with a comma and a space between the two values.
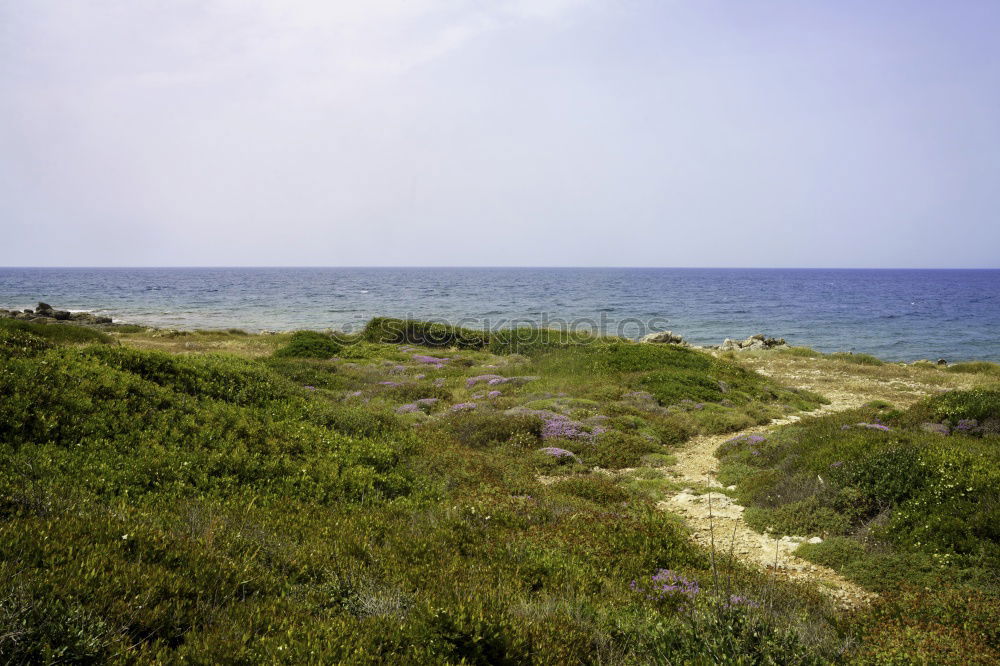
[930, 626]
[595, 488]
[615, 450]
[481, 428]
[975, 367]
[834, 552]
[309, 344]
[856, 359]
[428, 334]
[57, 333]
[805, 517]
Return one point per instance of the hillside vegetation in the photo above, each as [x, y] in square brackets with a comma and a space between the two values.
[414, 494]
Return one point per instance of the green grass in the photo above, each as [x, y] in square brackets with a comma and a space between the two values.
[57, 333]
[307, 344]
[900, 507]
[205, 507]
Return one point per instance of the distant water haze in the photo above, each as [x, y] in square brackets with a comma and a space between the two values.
[894, 314]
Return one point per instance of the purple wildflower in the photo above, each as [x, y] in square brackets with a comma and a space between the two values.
[407, 409]
[747, 439]
[666, 584]
[397, 370]
[472, 381]
[419, 376]
[494, 394]
[309, 388]
[427, 402]
[463, 406]
[736, 600]
[391, 384]
[966, 425]
[839, 463]
[354, 394]
[431, 360]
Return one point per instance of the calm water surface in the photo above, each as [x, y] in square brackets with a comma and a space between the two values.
[894, 314]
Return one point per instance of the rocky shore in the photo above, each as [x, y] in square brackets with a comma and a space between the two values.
[753, 343]
[44, 313]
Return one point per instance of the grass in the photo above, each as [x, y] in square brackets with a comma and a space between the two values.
[212, 497]
[905, 500]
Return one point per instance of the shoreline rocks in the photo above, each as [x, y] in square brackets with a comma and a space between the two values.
[663, 337]
[44, 313]
[754, 342]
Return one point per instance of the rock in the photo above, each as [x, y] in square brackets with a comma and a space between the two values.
[61, 315]
[936, 428]
[44, 309]
[663, 337]
[815, 540]
[941, 361]
[754, 343]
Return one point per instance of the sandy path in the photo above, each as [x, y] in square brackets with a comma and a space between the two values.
[717, 517]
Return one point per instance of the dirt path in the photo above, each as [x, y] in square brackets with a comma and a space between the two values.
[716, 517]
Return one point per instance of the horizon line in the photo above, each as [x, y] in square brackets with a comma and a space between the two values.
[513, 266]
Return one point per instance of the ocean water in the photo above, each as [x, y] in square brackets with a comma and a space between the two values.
[894, 314]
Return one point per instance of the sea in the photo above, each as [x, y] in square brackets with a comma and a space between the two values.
[897, 315]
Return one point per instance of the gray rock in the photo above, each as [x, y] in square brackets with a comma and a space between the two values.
[815, 540]
[936, 428]
[663, 337]
[44, 308]
[61, 315]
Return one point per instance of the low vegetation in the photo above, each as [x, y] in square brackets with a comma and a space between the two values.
[905, 500]
[425, 494]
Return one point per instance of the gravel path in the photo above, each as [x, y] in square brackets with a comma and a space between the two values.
[717, 518]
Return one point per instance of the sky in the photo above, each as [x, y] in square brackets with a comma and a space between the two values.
[746, 133]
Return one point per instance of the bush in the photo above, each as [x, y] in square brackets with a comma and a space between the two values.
[428, 334]
[616, 450]
[856, 359]
[834, 552]
[57, 333]
[975, 367]
[309, 344]
[481, 428]
[595, 488]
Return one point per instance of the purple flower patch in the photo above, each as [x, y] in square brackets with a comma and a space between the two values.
[746, 439]
[835, 465]
[667, 584]
[735, 600]
[430, 360]
[965, 425]
[390, 384]
[309, 388]
[463, 406]
[407, 409]
[427, 402]
[489, 379]
[494, 394]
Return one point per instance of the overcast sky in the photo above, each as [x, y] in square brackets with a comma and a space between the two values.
[511, 132]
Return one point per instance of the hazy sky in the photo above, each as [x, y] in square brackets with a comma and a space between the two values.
[508, 132]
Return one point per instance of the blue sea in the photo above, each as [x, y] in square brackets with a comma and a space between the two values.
[894, 314]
